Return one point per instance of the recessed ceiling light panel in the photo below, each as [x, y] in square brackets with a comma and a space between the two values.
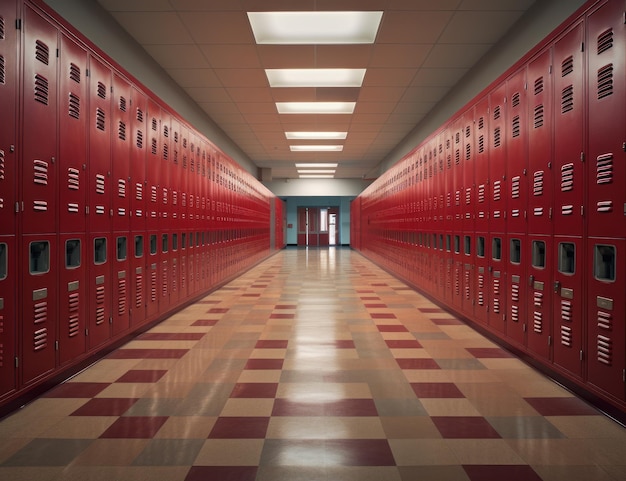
[323, 165]
[316, 148]
[316, 176]
[315, 107]
[315, 77]
[316, 135]
[310, 28]
[316, 171]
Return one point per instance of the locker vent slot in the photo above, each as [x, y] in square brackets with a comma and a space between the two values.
[102, 90]
[567, 67]
[481, 125]
[566, 336]
[75, 73]
[457, 157]
[100, 119]
[457, 197]
[449, 161]
[40, 171]
[122, 104]
[164, 281]
[176, 137]
[605, 41]
[497, 185]
[42, 52]
[481, 193]
[153, 286]
[40, 338]
[515, 313]
[154, 146]
[139, 139]
[121, 188]
[166, 131]
[165, 196]
[74, 106]
[605, 81]
[2, 164]
[121, 131]
[139, 116]
[538, 183]
[515, 187]
[154, 124]
[496, 306]
[497, 112]
[567, 99]
[121, 292]
[538, 85]
[567, 177]
[100, 184]
[538, 322]
[153, 194]
[457, 138]
[538, 119]
[605, 320]
[468, 196]
[174, 198]
[515, 99]
[2, 70]
[139, 191]
[515, 292]
[566, 311]
[604, 169]
[184, 161]
[184, 199]
[138, 291]
[100, 311]
[468, 132]
[73, 312]
[166, 152]
[497, 137]
[481, 144]
[515, 131]
[605, 350]
[567, 209]
[41, 89]
[1, 28]
[73, 179]
[468, 151]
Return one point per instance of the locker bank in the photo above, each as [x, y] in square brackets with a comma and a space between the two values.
[125, 213]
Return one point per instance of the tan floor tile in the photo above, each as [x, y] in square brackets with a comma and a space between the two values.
[260, 375]
[560, 452]
[111, 452]
[483, 451]
[420, 452]
[125, 389]
[594, 427]
[248, 407]
[416, 427]
[427, 375]
[409, 353]
[312, 392]
[293, 427]
[230, 452]
[79, 427]
[123, 473]
[186, 427]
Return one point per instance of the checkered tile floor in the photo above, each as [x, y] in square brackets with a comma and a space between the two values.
[315, 365]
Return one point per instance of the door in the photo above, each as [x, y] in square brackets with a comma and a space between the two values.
[308, 226]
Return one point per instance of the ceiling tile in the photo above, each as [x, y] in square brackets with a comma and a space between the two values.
[203, 5]
[231, 56]
[218, 27]
[242, 77]
[286, 56]
[343, 56]
[210, 94]
[424, 94]
[478, 27]
[399, 56]
[412, 27]
[157, 28]
[196, 77]
[136, 5]
[432, 77]
[388, 77]
[381, 94]
[177, 56]
[258, 94]
[495, 4]
[442, 56]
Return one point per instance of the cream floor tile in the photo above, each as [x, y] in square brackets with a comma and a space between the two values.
[186, 427]
[483, 451]
[293, 427]
[230, 452]
[248, 407]
[422, 452]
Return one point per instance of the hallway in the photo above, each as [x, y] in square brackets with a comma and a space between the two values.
[314, 365]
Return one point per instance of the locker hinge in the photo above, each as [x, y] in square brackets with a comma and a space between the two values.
[17, 207]
[582, 211]
[86, 72]
[581, 355]
[56, 345]
[624, 146]
[57, 53]
[18, 24]
[623, 375]
[17, 362]
[110, 319]
[549, 340]
[582, 156]
[524, 328]
[86, 332]
[550, 70]
[87, 210]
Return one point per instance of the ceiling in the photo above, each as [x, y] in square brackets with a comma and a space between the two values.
[423, 48]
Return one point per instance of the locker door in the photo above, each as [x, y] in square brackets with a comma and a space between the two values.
[175, 268]
[482, 281]
[139, 282]
[539, 328]
[516, 152]
[8, 133]
[516, 318]
[8, 314]
[39, 306]
[165, 188]
[568, 304]
[569, 133]
[497, 160]
[73, 115]
[100, 115]
[138, 160]
[176, 174]
[164, 271]
[121, 139]
[153, 165]
[39, 141]
[606, 313]
[481, 166]
[100, 286]
[152, 275]
[469, 275]
[73, 296]
[122, 281]
[606, 36]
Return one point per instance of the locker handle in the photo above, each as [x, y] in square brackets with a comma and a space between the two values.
[531, 280]
[557, 286]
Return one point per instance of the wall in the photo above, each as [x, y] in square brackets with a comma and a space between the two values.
[317, 187]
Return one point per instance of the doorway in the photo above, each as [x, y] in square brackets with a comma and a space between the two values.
[318, 226]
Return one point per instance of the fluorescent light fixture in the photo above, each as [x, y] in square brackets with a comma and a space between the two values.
[315, 107]
[324, 165]
[315, 77]
[316, 176]
[316, 135]
[316, 171]
[316, 148]
[311, 28]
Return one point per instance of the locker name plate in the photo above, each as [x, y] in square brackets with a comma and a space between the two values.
[515, 279]
[73, 286]
[99, 280]
[496, 274]
[538, 285]
[604, 303]
[121, 274]
[40, 294]
[481, 270]
[567, 293]
[138, 270]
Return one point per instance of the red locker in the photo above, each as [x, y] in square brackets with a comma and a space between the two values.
[153, 165]
[100, 252]
[481, 165]
[100, 115]
[121, 139]
[139, 140]
[152, 275]
[569, 118]
[165, 187]
[606, 37]
[122, 283]
[73, 115]
[540, 168]
[568, 304]
[498, 172]
[540, 290]
[483, 284]
[164, 271]
[8, 314]
[138, 279]
[73, 299]
[606, 312]
[8, 133]
[516, 144]
[175, 174]
[38, 334]
[175, 268]
[39, 113]
[516, 319]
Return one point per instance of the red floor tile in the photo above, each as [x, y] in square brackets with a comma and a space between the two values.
[77, 390]
[240, 428]
[488, 352]
[286, 306]
[477, 472]
[105, 407]
[382, 315]
[264, 364]
[402, 344]
[419, 363]
[143, 427]
[436, 390]
[464, 427]
[251, 295]
[271, 344]
[205, 322]
[359, 452]
[561, 406]
[142, 375]
[218, 310]
[148, 354]
[282, 316]
[222, 473]
[343, 407]
[370, 298]
[375, 306]
[254, 390]
[447, 322]
[428, 310]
